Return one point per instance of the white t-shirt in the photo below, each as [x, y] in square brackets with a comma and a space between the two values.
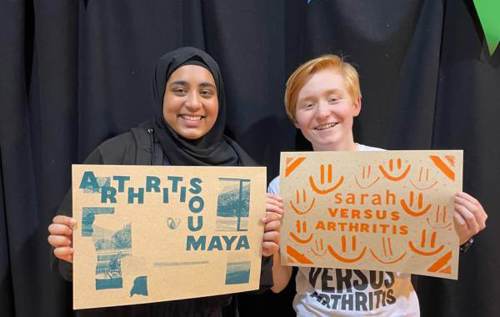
[341, 292]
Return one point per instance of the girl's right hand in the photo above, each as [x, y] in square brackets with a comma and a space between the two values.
[61, 237]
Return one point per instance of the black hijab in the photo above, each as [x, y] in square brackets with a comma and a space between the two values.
[214, 148]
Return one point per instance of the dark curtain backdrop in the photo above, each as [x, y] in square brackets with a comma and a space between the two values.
[73, 73]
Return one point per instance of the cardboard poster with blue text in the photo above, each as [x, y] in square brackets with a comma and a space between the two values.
[383, 210]
[157, 233]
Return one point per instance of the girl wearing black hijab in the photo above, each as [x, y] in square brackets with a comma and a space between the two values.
[189, 101]
[214, 148]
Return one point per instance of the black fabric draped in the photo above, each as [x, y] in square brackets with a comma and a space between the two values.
[74, 73]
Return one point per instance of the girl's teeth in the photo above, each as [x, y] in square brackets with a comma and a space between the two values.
[326, 126]
[192, 117]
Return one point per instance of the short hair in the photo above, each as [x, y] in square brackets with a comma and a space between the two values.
[303, 73]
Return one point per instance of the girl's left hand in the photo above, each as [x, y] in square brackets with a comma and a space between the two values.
[470, 216]
[272, 224]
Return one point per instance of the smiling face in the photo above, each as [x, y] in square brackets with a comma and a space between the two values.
[190, 103]
[325, 111]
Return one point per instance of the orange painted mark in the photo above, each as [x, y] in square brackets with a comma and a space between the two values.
[410, 211]
[296, 255]
[440, 263]
[325, 191]
[433, 239]
[330, 174]
[318, 253]
[424, 253]
[344, 248]
[354, 243]
[420, 199]
[365, 178]
[413, 213]
[301, 226]
[440, 217]
[302, 212]
[319, 250]
[345, 259]
[394, 178]
[292, 164]
[389, 261]
[366, 186]
[299, 240]
[322, 173]
[450, 159]
[383, 245]
[433, 226]
[366, 171]
[441, 165]
[422, 239]
[320, 245]
[446, 270]
[389, 246]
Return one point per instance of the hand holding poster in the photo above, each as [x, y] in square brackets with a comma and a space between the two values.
[155, 233]
[385, 211]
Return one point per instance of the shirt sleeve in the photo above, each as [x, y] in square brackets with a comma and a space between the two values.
[274, 186]
[66, 208]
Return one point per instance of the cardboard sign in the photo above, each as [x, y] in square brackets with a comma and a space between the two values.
[155, 233]
[384, 210]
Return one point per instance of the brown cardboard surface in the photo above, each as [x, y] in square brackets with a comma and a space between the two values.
[154, 233]
[384, 210]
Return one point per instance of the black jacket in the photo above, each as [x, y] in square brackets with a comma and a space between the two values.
[139, 146]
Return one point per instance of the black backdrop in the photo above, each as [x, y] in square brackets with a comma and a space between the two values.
[73, 73]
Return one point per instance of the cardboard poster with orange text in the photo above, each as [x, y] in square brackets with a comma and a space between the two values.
[156, 233]
[383, 210]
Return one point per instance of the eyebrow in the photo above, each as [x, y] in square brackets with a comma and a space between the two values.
[327, 92]
[334, 90]
[179, 82]
[185, 83]
[207, 84]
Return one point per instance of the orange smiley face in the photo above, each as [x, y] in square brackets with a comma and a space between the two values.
[319, 248]
[367, 178]
[424, 181]
[417, 202]
[440, 220]
[326, 177]
[344, 249]
[427, 247]
[388, 255]
[301, 200]
[395, 171]
[301, 227]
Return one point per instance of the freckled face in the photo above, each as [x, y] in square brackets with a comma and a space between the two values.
[190, 103]
[325, 112]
